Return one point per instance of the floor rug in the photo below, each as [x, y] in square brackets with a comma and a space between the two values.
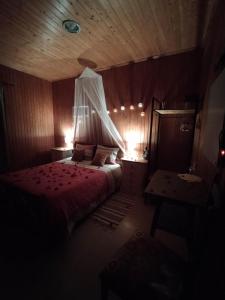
[113, 210]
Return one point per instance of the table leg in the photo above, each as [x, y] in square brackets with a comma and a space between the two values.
[155, 218]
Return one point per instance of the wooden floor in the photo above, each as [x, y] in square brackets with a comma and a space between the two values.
[70, 270]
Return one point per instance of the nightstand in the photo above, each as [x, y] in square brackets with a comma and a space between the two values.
[134, 176]
[60, 153]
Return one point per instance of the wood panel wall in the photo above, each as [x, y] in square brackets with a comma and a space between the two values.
[29, 118]
[170, 79]
[63, 96]
[214, 48]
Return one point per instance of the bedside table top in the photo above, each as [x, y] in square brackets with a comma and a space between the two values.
[61, 149]
[140, 160]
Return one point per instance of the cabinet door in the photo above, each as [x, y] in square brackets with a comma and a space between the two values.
[174, 144]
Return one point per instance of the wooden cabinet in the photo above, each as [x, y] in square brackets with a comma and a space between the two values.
[171, 139]
[60, 153]
[134, 176]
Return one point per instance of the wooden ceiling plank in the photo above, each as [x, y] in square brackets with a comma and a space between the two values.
[102, 39]
[143, 21]
[175, 24]
[19, 53]
[148, 36]
[56, 25]
[131, 34]
[44, 34]
[89, 29]
[32, 68]
[23, 42]
[62, 15]
[119, 29]
[27, 35]
[190, 23]
[161, 36]
[20, 43]
[112, 33]
[134, 29]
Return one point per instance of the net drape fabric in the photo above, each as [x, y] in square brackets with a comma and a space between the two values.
[92, 123]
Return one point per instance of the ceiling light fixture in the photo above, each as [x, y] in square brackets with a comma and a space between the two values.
[122, 107]
[71, 26]
[140, 104]
[131, 107]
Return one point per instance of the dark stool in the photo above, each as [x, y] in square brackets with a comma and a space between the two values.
[144, 269]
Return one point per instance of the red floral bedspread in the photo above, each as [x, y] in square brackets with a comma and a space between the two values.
[66, 188]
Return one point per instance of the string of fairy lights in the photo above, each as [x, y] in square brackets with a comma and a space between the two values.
[132, 107]
[123, 108]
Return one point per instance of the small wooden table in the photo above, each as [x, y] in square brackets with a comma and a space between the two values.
[134, 174]
[170, 187]
[59, 153]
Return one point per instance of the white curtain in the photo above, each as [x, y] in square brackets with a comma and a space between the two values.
[91, 121]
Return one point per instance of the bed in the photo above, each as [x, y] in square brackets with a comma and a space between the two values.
[52, 198]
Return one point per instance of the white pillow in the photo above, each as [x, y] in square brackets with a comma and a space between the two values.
[112, 154]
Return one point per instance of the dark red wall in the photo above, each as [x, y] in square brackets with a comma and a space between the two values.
[29, 118]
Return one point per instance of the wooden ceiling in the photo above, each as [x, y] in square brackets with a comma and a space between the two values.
[113, 32]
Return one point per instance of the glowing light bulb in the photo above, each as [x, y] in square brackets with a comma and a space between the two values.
[140, 104]
[108, 112]
[68, 137]
[222, 152]
[131, 107]
[142, 114]
[122, 107]
[115, 110]
[133, 139]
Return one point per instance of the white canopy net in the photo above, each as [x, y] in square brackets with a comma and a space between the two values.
[92, 123]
